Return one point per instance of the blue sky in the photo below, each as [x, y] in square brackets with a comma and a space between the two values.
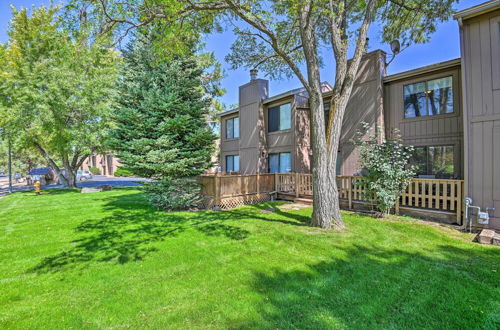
[444, 45]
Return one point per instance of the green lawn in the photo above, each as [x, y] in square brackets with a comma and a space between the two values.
[107, 260]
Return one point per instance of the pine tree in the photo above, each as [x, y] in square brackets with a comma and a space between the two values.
[161, 129]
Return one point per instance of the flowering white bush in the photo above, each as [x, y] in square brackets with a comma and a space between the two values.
[385, 168]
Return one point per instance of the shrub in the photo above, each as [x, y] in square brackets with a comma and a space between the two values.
[95, 171]
[120, 171]
[385, 168]
[174, 194]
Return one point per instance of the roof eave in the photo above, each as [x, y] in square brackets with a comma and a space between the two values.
[423, 70]
[480, 9]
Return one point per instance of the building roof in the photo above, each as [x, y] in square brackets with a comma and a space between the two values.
[480, 9]
[423, 70]
[228, 112]
[40, 171]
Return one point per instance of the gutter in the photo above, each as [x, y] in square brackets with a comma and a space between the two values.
[480, 9]
[423, 70]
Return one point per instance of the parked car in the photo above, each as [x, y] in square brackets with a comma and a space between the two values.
[83, 175]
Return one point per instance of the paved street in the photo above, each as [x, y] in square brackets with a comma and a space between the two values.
[97, 180]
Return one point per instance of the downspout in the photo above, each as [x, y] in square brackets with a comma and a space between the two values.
[465, 112]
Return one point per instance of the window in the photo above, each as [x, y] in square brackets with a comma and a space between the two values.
[233, 128]
[434, 160]
[280, 163]
[233, 163]
[428, 98]
[280, 117]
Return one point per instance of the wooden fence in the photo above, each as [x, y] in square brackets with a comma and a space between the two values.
[428, 194]
[227, 191]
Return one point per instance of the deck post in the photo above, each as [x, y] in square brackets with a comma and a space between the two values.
[217, 190]
[276, 182]
[297, 185]
[349, 192]
[460, 200]
[258, 183]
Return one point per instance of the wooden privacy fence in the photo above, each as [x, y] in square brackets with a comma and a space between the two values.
[228, 191]
[428, 194]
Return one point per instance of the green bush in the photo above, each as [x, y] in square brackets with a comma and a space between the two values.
[385, 168]
[174, 194]
[95, 171]
[120, 171]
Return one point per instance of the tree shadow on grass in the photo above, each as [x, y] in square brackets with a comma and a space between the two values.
[374, 287]
[127, 234]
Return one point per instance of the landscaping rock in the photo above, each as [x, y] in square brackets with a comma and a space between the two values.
[267, 211]
[496, 239]
[90, 190]
[105, 187]
[486, 236]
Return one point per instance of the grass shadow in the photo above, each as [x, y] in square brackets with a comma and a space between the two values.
[128, 232]
[378, 288]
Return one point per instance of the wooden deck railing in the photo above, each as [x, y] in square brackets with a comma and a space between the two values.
[431, 194]
[228, 191]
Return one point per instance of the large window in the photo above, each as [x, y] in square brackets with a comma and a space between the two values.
[280, 117]
[436, 161]
[233, 163]
[233, 128]
[428, 98]
[280, 162]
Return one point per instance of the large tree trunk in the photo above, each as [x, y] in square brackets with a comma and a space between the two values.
[68, 179]
[326, 208]
[70, 173]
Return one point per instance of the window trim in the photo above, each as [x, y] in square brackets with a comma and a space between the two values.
[268, 121]
[455, 89]
[226, 130]
[457, 102]
[456, 157]
[226, 157]
[279, 160]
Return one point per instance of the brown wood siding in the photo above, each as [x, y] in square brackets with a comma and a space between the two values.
[438, 130]
[481, 61]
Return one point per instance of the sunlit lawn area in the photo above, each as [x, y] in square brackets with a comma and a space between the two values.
[107, 260]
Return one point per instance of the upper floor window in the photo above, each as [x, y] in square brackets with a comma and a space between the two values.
[280, 117]
[233, 128]
[428, 98]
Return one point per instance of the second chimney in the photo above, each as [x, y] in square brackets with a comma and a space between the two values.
[253, 74]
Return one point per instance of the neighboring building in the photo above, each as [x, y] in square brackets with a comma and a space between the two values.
[429, 105]
[107, 164]
[480, 49]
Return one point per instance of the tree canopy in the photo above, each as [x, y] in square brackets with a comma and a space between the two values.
[56, 89]
[160, 120]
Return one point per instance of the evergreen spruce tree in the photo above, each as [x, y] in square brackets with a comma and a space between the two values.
[161, 131]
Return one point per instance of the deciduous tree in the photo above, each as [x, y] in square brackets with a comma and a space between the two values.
[285, 37]
[56, 89]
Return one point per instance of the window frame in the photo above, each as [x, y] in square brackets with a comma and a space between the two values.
[232, 119]
[454, 87]
[278, 106]
[456, 169]
[227, 157]
[279, 161]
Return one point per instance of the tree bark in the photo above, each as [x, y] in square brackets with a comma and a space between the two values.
[70, 172]
[52, 164]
